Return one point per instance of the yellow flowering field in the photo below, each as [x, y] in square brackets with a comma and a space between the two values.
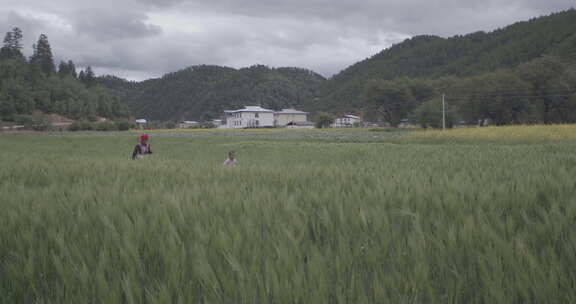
[512, 134]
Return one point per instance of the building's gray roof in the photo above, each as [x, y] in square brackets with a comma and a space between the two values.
[251, 109]
[291, 111]
[351, 116]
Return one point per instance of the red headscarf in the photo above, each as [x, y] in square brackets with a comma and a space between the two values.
[144, 137]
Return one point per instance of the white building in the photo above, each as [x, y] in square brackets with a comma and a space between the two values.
[250, 117]
[347, 120]
[187, 124]
[290, 117]
[141, 123]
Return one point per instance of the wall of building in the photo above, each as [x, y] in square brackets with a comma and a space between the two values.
[242, 120]
[229, 117]
[284, 119]
[345, 122]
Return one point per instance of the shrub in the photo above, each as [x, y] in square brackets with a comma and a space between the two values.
[170, 125]
[324, 120]
[106, 126]
[207, 125]
[36, 122]
[41, 124]
[429, 114]
[81, 126]
[123, 125]
[25, 120]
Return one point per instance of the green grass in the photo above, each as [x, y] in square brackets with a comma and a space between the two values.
[305, 217]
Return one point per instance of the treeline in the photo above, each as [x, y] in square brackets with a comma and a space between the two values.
[541, 91]
[35, 84]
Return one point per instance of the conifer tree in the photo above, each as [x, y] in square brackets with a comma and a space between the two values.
[43, 56]
[72, 69]
[88, 77]
[67, 69]
[12, 48]
[63, 69]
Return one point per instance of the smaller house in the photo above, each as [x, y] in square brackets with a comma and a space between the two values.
[290, 117]
[141, 123]
[346, 121]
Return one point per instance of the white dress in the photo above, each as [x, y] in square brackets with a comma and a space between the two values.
[230, 163]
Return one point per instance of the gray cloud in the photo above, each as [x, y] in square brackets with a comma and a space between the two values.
[27, 24]
[146, 38]
[110, 24]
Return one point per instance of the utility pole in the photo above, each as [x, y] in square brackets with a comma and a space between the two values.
[443, 112]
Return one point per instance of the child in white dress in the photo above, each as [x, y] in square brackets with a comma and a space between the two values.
[231, 161]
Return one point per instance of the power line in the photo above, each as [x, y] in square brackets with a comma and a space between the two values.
[515, 97]
[486, 97]
[511, 95]
[551, 90]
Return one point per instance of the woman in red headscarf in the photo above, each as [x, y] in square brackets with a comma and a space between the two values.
[142, 148]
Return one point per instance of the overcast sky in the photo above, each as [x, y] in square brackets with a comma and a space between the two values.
[139, 39]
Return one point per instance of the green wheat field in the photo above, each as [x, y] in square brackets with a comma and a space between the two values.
[337, 216]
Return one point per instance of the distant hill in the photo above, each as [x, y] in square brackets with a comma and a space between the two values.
[463, 56]
[203, 92]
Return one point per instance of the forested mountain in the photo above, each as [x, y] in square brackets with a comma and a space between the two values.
[430, 57]
[203, 92]
[35, 85]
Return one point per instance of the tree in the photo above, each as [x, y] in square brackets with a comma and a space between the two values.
[7, 106]
[324, 120]
[88, 77]
[21, 101]
[27, 88]
[552, 82]
[42, 56]
[429, 114]
[12, 48]
[72, 69]
[395, 99]
[67, 69]
[63, 69]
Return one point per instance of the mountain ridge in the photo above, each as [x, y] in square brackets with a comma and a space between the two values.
[202, 92]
